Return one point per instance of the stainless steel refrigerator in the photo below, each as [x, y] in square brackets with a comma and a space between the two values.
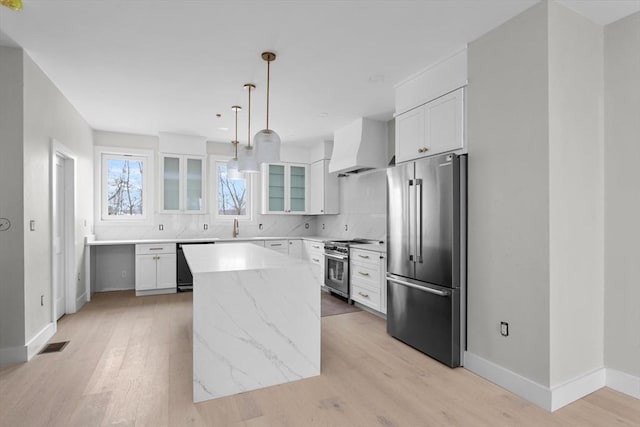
[426, 255]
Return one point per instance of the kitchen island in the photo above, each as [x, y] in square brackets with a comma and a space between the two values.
[256, 319]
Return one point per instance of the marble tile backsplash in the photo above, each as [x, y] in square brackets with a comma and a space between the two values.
[363, 208]
[193, 226]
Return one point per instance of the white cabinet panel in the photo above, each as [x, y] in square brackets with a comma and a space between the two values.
[433, 128]
[155, 268]
[182, 183]
[285, 188]
[295, 248]
[324, 196]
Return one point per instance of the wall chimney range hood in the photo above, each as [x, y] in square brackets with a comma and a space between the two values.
[359, 146]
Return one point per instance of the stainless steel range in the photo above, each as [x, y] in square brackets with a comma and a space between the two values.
[336, 265]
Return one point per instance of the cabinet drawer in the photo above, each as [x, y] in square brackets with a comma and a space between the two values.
[366, 273]
[365, 296]
[360, 256]
[164, 248]
[278, 245]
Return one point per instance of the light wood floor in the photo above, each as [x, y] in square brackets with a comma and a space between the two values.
[129, 363]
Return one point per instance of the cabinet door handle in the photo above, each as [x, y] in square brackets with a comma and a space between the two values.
[363, 273]
[423, 150]
[314, 246]
[363, 295]
[275, 244]
[364, 256]
[315, 259]
[156, 249]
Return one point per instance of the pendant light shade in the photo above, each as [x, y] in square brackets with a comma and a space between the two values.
[232, 165]
[247, 162]
[267, 141]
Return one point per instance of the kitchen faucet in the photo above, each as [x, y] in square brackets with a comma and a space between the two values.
[236, 227]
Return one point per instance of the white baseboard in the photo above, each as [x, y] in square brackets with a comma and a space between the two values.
[577, 388]
[116, 289]
[11, 355]
[561, 395]
[515, 383]
[81, 301]
[36, 343]
[623, 382]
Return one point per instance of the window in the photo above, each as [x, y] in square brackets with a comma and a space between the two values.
[124, 187]
[233, 196]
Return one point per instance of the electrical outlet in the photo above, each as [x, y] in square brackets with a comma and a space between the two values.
[124, 273]
[78, 277]
[323, 226]
[161, 227]
[346, 227]
[504, 329]
[306, 225]
[32, 225]
[260, 226]
[205, 226]
[41, 300]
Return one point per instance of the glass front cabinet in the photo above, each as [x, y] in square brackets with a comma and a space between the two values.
[284, 188]
[182, 183]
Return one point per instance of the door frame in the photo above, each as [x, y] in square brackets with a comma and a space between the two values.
[58, 149]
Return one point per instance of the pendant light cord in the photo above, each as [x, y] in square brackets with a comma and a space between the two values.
[249, 120]
[268, 79]
[235, 141]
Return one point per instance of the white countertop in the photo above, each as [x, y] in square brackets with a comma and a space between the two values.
[376, 247]
[235, 257]
[196, 240]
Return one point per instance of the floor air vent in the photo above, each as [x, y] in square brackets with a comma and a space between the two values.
[54, 347]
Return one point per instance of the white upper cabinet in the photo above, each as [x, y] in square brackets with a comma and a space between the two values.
[430, 110]
[433, 128]
[182, 183]
[324, 196]
[284, 188]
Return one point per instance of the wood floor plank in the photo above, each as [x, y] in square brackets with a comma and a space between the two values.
[129, 363]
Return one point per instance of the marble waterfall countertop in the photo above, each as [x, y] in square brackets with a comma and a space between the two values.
[256, 319]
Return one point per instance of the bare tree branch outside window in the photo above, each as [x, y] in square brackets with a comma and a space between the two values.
[124, 187]
[232, 194]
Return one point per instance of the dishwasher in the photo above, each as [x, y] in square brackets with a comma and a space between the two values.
[184, 277]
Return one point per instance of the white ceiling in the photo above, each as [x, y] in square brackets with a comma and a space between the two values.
[148, 66]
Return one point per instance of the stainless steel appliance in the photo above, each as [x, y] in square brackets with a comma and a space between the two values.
[426, 255]
[336, 265]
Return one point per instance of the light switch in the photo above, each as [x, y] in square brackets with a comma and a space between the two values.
[32, 225]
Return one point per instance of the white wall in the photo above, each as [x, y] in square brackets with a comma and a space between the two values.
[48, 114]
[363, 208]
[622, 203]
[508, 232]
[11, 206]
[576, 189]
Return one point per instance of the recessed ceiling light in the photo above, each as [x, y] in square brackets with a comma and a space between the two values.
[224, 129]
[323, 115]
[376, 78]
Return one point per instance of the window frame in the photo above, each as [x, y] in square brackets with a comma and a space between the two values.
[249, 179]
[102, 156]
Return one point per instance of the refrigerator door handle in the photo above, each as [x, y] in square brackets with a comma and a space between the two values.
[419, 288]
[419, 230]
[410, 213]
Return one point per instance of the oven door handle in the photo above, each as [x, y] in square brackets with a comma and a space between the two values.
[342, 258]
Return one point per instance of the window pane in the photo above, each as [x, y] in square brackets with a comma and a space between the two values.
[232, 194]
[124, 187]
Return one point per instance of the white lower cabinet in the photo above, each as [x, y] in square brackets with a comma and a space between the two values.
[313, 252]
[368, 283]
[155, 269]
[295, 248]
[281, 246]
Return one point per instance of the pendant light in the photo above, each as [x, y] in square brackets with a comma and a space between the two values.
[232, 165]
[267, 141]
[248, 162]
